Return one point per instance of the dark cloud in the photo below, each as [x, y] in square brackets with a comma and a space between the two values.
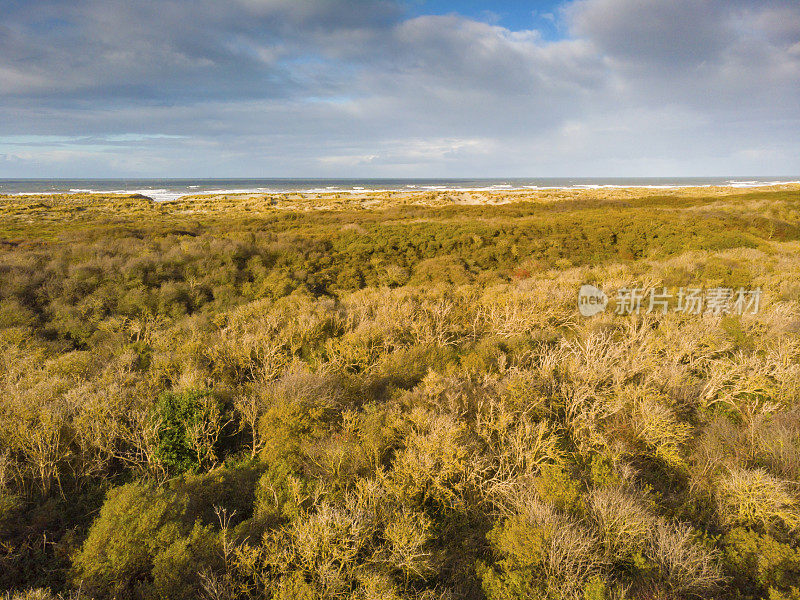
[344, 87]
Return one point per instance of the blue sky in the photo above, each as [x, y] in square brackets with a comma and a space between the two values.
[399, 88]
[516, 16]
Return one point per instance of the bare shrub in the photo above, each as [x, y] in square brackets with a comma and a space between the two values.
[656, 425]
[436, 463]
[755, 498]
[571, 551]
[408, 534]
[516, 448]
[688, 568]
[624, 524]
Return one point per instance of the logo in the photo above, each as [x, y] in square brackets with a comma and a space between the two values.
[591, 300]
[687, 300]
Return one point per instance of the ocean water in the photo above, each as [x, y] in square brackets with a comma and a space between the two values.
[170, 189]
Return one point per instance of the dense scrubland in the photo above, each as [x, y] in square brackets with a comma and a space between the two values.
[236, 398]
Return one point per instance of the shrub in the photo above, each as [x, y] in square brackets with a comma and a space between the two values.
[760, 564]
[300, 409]
[176, 567]
[433, 469]
[557, 486]
[134, 525]
[408, 535]
[686, 565]
[39, 594]
[754, 498]
[657, 427]
[540, 554]
[150, 541]
[190, 425]
[281, 495]
[387, 429]
[624, 524]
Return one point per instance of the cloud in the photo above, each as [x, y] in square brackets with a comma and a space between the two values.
[177, 49]
[718, 55]
[360, 88]
[674, 35]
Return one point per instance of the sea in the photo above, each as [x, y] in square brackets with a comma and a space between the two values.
[171, 189]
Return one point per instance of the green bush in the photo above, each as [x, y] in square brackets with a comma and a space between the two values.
[151, 542]
[190, 425]
[557, 486]
[762, 565]
[134, 525]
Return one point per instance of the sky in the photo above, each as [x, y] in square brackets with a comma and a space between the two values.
[399, 88]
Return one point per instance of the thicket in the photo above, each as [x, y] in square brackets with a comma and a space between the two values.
[397, 403]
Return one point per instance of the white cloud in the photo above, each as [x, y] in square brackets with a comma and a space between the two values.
[313, 88]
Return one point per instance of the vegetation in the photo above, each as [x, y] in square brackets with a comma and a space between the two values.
[323, 398]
